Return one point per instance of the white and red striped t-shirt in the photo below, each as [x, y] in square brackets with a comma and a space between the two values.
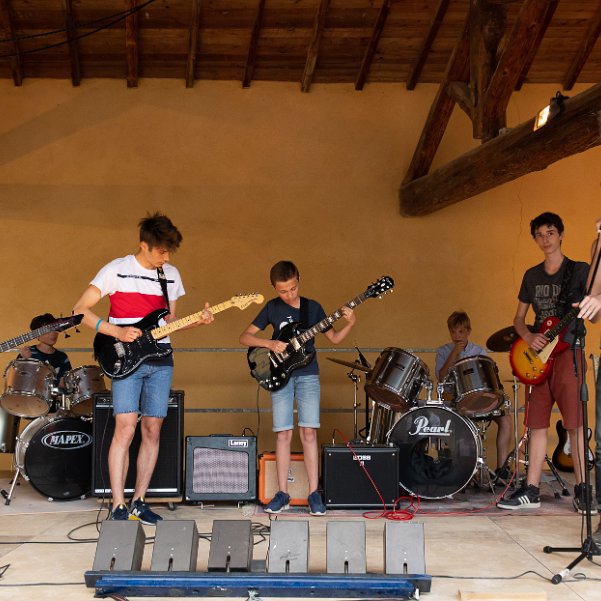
[135, 291]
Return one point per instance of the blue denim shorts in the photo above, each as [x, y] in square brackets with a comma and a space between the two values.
[306, 391]
[146, 391]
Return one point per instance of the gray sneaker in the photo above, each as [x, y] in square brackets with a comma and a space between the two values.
[280, 502]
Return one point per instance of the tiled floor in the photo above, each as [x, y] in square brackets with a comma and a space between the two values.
[475, 553]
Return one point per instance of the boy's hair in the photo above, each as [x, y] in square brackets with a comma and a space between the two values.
[459, 319]
[546, 219]
[283, 271]
[157, 230]
[41, 320]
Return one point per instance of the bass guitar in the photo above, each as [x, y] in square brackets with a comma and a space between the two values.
[533, 367]
[562, 455]
[60, 325]
[119, 359]
[272, 370]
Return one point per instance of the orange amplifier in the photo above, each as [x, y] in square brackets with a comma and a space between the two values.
[298, 485]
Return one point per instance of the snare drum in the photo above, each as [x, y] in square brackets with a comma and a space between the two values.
[397, 379]
[82, 383]
[478, 387]
[55, 455]
[27, 388]
[439, 451]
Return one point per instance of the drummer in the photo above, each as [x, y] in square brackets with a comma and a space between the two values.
[461, 347]
[44, 350]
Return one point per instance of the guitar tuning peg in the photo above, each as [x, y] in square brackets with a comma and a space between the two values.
[77, 330]
[67, 335]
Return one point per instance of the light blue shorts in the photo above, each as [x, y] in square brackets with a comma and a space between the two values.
[306, 391]
[146, 391]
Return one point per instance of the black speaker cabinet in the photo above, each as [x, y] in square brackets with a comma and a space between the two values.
[167, 478]
[345, 482]
[221, 468]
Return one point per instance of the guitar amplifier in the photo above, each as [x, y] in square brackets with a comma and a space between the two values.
[298, 483]
[166, 480]
[345, 482]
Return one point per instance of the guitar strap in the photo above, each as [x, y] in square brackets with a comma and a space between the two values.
[304, 313]
[163, 282]
[562, 300]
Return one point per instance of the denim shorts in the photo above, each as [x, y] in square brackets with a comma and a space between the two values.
[306, 391]
[146, 391]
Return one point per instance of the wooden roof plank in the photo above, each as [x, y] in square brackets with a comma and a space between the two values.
[194, 34]
[71, 28]
[313, 51]
[131, 44]
[11, 47]
[507, 157]
[252, 46]
[584, 51]
[372, 45]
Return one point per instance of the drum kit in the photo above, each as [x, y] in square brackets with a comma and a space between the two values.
[441, 440]
[54, 451]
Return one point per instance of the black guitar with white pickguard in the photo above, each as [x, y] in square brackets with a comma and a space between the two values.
[119, 359]
[272, 370]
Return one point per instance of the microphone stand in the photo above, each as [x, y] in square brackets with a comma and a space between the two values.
[588, 547]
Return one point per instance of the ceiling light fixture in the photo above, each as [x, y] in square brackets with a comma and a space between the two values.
[553, 109]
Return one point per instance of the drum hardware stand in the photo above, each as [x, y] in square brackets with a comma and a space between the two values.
[355, 379]
[483, 472]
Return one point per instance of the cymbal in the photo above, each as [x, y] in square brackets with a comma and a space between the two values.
[502, 340]
[352, 364]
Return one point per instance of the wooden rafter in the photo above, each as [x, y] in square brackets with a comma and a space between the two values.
[12, 47]
[435, 24]
[372, 45]
[71, 27]
[313, 51]
[509, 156]
[584, 51]
[131, 44]
[193, 43]
[252, 46]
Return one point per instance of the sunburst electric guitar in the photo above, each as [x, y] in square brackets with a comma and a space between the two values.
[118, 359]
[272, 370]
[533, 367]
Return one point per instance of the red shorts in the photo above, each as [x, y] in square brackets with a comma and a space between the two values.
[561, 387]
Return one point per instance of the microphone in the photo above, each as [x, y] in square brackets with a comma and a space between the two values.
[362, 359]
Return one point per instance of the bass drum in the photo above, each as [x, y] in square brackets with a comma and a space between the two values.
[439, 451]
[55, 455]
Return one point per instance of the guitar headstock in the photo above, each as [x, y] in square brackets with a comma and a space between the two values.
[242, 301]
[64, 323]
[382, 286]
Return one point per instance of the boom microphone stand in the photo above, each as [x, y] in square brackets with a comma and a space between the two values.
[588, 547]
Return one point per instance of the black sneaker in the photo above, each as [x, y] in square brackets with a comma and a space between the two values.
[120, 514]
[579, 499]
[280, 502]
[316, 506]
[524, 498]
[140, 510]
[597, 536]
[502, 475]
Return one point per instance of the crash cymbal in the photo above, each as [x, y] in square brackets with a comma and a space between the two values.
[502, 340]
[352, 364]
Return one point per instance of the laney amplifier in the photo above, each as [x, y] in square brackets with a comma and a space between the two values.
[221, 468]
[346, 483]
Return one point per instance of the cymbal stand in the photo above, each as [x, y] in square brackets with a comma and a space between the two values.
[483, 475]
[355, 379]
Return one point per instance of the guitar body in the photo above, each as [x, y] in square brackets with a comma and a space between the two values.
[562, 455]
[271, 371]
[119, 359]
[533, 367]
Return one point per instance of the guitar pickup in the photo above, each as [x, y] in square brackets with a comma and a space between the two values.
[119, 349]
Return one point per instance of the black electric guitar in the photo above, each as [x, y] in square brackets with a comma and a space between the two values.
[60, 325]
[272, 370]
[119, 359]
[562, 455]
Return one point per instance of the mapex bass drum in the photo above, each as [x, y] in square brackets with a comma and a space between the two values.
[82, 383]
[439, 451]
[28, 388]
[478, 387]
[397, 379]
[55, 455]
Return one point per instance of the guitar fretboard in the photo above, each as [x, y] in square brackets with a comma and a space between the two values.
[178, 324]
[551, 333]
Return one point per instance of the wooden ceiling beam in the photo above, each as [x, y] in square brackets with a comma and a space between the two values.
[584, 51]
[131, 44]
[194, 35]
[422, 55]
[313, 51]
[12, 47]
[71, 28]
[507, 157]
[252, 46]
[372, 45]
[541, 34]
[441, 109]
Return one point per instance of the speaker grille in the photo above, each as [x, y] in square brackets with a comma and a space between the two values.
[219, 471]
